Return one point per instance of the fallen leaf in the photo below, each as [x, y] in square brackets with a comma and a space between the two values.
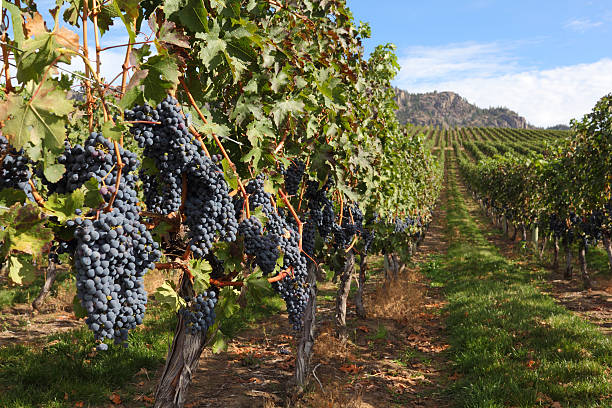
[350, 369]
[364, 329]
[115, 398]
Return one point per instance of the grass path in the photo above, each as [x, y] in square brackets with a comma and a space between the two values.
[511, 344]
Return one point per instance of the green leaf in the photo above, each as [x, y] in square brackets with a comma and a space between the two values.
[21, 269]
[278, 81]
[254, 155]
[40, 121]
[194, 16]
[230, 176]
[93, 198]
[200, 269]
[213, 49]
[219, 342]
[227, 304]
[112, 131]
[17, 22]
[10, 196]
[24, 230]
[63, 206]
[54, 172]
[168, 296]
[258, 286]
[282, 109]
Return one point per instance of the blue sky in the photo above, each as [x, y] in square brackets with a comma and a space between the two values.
[548, 60]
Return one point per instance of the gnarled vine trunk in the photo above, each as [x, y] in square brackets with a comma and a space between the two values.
[361, 281]
[44, 292]
[607, 243]
[543, 247]
[307, 339]
[387, 263]
[523, 232]
[344, 287]
[586, 279]
[181, 362]
[568, 260]
[555, 264]
[396, 266]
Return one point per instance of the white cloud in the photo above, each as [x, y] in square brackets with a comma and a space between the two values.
[582, 24]
[486, 75]
[454, 60]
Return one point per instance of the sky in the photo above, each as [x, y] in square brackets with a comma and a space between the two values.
[550, 61]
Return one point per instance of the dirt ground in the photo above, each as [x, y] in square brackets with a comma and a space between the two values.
[393, 358]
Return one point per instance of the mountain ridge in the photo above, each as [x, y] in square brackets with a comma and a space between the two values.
[449, 109]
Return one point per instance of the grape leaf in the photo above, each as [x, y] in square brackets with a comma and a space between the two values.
[63, 206]
[21, 269]
[10, 196]
[194, 16]
[200, 269]
[167, 295]
[53, 173]
[40, 121]
[219, 341]
[283, 108]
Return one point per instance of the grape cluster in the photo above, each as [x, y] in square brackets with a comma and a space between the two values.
[278, 235]
[175, 154]
[14, 168]
[293, 176]
[263, 247]
[320, 208]
[588, 228]
[113, 248]
[368, 239]
[351, 225]
[557, 225]
[209, 209]
[199, 314]
[168, 146]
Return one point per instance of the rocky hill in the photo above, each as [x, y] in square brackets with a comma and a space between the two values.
[448, 109]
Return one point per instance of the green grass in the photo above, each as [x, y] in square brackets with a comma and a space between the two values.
[513, 345]
[67, 365]
[11, 295]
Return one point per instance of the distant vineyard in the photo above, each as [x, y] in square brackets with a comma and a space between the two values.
[482, 142]
[552, 182]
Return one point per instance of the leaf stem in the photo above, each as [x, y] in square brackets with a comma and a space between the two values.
[37, 197]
